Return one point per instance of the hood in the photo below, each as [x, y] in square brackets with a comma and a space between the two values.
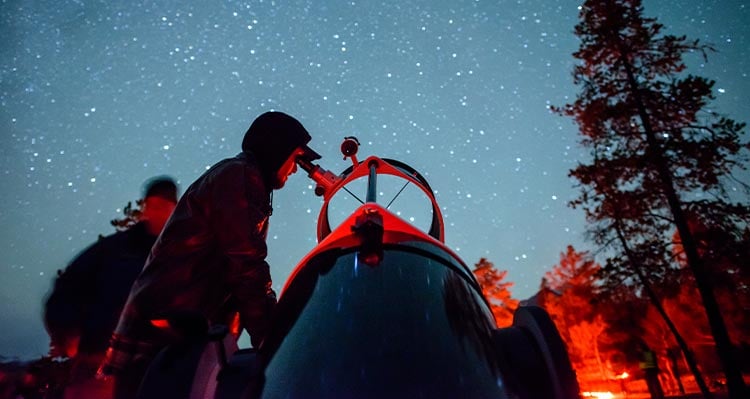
[272, 138]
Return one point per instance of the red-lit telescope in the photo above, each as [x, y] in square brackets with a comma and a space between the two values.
[379, 309]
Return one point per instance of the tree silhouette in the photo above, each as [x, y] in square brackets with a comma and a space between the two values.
[727, 256]
[576, 271]
[131, 216]
[638, 259]
[567, 293]
[497, 291]
[656, 152]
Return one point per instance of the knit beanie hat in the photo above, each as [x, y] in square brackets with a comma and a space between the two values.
[272, 138]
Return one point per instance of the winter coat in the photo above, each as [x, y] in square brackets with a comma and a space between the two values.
[87, 298]
[209, 258]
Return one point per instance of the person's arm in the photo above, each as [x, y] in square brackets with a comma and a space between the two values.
[240, 220]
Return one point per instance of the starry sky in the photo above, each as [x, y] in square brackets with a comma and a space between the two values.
[96, 97]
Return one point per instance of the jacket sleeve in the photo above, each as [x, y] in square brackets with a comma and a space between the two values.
[65, 308]
[240, 218]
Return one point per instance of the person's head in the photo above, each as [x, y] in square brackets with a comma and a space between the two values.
[159, 200]
[276, 140]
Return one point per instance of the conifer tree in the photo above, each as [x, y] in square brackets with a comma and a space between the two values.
[497, 291]
[656, 150]
[567, 294]
[131, 216]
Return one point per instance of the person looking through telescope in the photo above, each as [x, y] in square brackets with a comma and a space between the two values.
[211, 256]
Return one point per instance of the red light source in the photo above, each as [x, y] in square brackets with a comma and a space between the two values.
[160, 323]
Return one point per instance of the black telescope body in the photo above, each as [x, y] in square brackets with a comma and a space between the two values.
[378, 309]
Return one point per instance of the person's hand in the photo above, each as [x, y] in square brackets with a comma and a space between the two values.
[66, 347]
[103, 375]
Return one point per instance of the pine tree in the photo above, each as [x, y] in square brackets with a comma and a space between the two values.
[567, 293]
[131, 216]
[576, 271]
[497, 291]
[656, 152]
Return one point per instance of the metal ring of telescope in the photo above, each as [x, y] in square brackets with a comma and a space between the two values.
[385, 167]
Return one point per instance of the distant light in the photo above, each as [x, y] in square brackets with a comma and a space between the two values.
[93, 179]
[598, 395]
[166, 147]
[554, 197]
[722, 91]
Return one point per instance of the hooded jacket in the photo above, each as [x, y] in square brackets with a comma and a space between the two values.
[210, 256]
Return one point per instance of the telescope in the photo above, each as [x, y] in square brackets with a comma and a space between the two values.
[378, 309]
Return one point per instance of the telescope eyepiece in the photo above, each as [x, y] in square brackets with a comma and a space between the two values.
[349, 147]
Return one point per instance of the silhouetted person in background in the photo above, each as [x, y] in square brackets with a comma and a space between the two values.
[83, 308]
[210, 259]
[651, 372]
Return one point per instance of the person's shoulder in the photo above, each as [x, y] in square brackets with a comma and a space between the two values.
[95, 251]
[225, 175]
[115, 239]
[221, 167]
[242, 164]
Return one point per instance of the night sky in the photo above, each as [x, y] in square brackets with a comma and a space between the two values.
[98, 97]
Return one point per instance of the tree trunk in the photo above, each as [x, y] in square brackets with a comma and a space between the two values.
[598, 356]
[692, 365]
[724, 347]
[676, 367]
